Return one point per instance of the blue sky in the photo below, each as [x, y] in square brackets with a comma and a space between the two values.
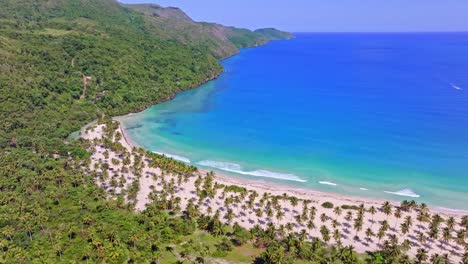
[329, 15]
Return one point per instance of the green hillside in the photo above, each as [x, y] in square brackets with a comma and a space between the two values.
[222, 41]
[51, 210]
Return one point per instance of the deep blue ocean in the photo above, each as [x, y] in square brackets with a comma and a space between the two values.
[377, 115]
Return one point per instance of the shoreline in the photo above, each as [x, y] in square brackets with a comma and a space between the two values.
[124, 169]
[297, 191]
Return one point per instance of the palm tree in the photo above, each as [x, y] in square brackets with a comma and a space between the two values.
[312, 213]
[323, 218]
[421, 238]
[310, 225]
[421, 255]
[337, 236]
[397, 215]
[294, 201]
[434, 233]
[451, 222]
[387, 208]
[404, 228]
[358, 225]
[325, 233]
[349, 216]
[337, 212]
[423, 207]
[464, 222]
[381, 233]
[404, 259]
[279, 215]
[465, 257]
[372, 211]
[461, 234]
[406, 245]
[435, 259]
[408, 221]
[446, 235]
[369, 234]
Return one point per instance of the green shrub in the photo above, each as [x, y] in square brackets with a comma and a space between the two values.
[328, 205]
[350, 207]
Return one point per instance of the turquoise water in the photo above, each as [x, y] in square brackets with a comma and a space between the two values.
[377, 115]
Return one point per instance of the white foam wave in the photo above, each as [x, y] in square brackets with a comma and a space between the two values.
[236, 168]
[179, 158]
[363, 189]
[328, 183]
[455, 87]
[453, 210]
[405, 192]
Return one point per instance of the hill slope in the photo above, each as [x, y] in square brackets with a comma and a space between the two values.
[135, 59]
[51, 209]
[222, 41]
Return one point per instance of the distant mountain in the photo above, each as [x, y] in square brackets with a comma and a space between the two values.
[223, 41]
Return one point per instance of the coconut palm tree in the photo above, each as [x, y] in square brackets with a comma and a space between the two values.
[404, 259]
[380, 234]
[279, 215]
[408, 221]
[406, 245]
[372, 211]
[369, 234]
[421, 255]
[337, 236]
[421, 238]
[337, 212]
[435, 259]
[310, 225]
[461, 235]
[325, 233]
[397, 215]
[423, 207]
[404, 228]
[349, 216]
[323, 218]
[446, 235]
[387, 208]
[464, 222]
[465, 257]
[312, 213]
[434, 233]
[451, 222]
[358, 223]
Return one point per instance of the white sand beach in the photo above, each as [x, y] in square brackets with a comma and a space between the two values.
[262, 203]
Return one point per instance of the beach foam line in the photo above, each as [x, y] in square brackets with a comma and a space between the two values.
[328, 183]
[405, 192]
[179, 158]
[452, 210]
[236, 168]
[363, 189]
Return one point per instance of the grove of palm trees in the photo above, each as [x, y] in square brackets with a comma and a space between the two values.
[289, 224]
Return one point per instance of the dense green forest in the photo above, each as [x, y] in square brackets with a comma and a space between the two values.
[51, 210]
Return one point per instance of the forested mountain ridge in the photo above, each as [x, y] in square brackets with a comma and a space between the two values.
[133, 61]
[222, 41]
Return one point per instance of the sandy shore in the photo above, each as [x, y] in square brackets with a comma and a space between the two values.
[265, 207]
[300, 192]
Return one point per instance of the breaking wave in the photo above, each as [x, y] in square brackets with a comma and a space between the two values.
[179, 158]
[233, 167]
[328, 183]
[405, 192]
